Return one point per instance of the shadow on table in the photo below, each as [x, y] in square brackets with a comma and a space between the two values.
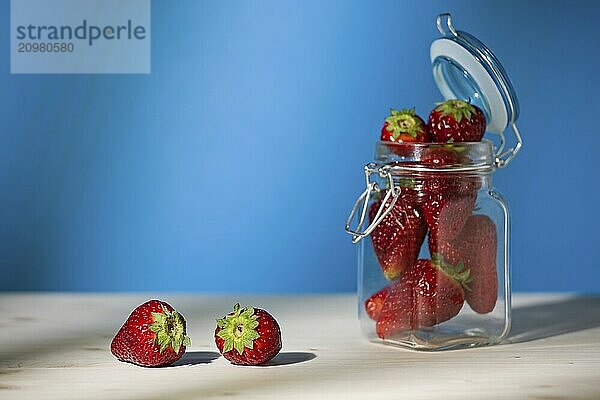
[206, 357]
[196, 357]
[289, 358]
[553, 319]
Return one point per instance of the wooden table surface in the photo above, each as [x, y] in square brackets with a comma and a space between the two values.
[56, 346]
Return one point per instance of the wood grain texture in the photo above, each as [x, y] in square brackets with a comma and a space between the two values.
[56, 346]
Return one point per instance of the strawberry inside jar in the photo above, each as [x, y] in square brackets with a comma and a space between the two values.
[432, 272]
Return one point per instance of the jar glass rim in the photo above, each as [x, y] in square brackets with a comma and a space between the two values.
[474, 156]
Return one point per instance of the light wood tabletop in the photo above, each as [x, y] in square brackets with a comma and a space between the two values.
[56, 346]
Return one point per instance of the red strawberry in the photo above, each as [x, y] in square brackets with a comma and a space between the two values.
[153, 336]
[429, 293]
[468, 185]
[476, 248]
[445, 156]
[404, 126]
[374, 303]
[447, 199]
[439, 157]
[446, 213]
[248, 336]
[457, 121]
[398, 237]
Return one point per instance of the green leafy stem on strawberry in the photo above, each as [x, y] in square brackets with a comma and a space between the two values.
[457, 272]
[169, 327]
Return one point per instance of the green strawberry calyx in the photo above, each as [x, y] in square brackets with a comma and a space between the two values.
[238, 329]
[409, 183]
[169, 327]
[458, 109]
[383, 187]
[457, 272]
[404, 122]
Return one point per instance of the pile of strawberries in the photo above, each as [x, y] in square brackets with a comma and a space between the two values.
[462, 244]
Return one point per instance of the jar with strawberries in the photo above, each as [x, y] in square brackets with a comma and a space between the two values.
[433, 232]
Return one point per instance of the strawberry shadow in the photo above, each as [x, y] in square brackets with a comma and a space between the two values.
[289, 358]
[196, 357]
[553, 319]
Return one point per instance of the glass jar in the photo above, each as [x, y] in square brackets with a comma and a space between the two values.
[433, 233]
[434, 272]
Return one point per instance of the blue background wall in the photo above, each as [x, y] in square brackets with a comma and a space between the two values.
[233, 165]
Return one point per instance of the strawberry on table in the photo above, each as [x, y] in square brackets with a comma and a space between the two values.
[398, 237]
[456, 121]
[248, 336]
[154, 335]
[429, 293]
[404, 126]
[476, 248]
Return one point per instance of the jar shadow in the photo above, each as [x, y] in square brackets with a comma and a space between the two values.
[553, 319]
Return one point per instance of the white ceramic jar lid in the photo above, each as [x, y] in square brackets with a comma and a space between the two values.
[464, 68]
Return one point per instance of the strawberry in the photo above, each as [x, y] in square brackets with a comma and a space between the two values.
[374, 303]
[398, 237]
[404, 126]
[449, 198]
[248, 336]
[429, 293]
[456, 121]
[153, 336]
[446, 213]
[439, 157]
[476, 248]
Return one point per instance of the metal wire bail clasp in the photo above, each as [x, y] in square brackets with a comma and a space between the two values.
[503, 157]
[363, 202]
